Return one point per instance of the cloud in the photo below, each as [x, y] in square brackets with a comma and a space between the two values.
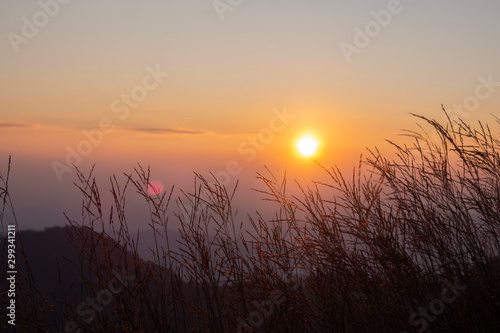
[12, 125]
[166, 131]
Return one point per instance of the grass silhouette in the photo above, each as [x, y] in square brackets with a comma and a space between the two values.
[375, 252]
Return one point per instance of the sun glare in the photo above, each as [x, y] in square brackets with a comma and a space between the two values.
[307, 145]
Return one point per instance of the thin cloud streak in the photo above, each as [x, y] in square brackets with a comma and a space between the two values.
[167, 131]
[12, 125]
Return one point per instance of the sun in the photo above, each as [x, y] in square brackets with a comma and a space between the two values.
[307, 145]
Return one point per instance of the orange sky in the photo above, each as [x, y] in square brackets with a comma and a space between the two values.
[94, 62]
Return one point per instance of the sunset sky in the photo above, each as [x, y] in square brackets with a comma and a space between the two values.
[197, 85]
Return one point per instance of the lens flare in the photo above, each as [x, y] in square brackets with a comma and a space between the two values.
[155, 187]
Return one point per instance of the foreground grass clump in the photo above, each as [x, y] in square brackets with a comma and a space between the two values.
[403, 245]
